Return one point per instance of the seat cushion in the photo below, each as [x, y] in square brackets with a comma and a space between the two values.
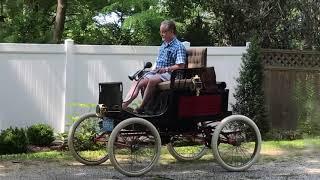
[197, 57]
[178, 84]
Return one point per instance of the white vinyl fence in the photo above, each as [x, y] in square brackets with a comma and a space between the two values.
[38, 81]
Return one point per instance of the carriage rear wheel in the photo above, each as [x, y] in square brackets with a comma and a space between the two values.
[87, 141]
[187, 147]
[236, 143]
[134, 147]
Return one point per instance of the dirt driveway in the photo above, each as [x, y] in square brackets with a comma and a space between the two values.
[306, 166]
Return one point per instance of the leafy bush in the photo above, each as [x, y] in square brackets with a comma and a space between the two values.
[78, 109]
[85, 133]
[87, 129]
[281, 134]
[250, 100]
[13, 141]
[307, 104]
[40, 134]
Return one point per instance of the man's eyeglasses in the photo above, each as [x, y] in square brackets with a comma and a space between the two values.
[164, 32]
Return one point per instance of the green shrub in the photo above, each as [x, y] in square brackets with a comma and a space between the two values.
[78, 109]
[13, 141]
[306, 101]
[281, 134]
[249, 95]
[87, 129]
[40, 134]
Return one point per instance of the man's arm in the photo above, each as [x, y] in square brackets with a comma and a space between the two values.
[171, 68]
[176, 66]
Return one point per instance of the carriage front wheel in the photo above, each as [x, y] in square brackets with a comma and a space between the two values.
[236, 143]
[134, 146]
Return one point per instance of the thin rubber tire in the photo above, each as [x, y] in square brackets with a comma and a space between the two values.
[215, 142]
[113, 139]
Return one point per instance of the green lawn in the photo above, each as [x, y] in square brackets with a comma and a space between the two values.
[271, 150]
[48, 155]
[286, 150]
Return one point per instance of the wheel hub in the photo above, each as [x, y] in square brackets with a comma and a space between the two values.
[235, 140]
[134, 147]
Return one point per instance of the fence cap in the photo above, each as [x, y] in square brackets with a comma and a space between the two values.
[186, 44]
[248, 44]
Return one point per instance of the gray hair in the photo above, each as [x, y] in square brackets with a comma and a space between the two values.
[171, 25]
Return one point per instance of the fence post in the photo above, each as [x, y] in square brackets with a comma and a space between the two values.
[69, 75]
[248, 45]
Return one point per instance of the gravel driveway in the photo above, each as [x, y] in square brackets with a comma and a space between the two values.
[306, 166]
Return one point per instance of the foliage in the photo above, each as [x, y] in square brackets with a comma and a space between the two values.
[291, 147]
[26, 26]
[307, 105]
[198, 32]
[194, 24]
[46, 155]
[144, 27]
[138, 21]
[26, 21]
[80, 26]
[87, 129]
[40, 134]
[281, 134]
[280, 24]
[13, 140]
[248, 93]
[79, 109]
[61, 136]
[85, 133]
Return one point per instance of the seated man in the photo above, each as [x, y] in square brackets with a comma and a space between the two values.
[172, 55]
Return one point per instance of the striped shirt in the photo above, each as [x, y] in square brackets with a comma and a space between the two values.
[171, 53]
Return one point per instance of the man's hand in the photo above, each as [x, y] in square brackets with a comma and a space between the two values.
[162, 70]
[170, 69]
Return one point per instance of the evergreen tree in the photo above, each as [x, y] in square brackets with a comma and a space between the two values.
[249, 95]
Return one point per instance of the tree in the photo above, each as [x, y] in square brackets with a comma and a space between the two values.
[192, 19]
[138, 22]
[59, 20]
[280, 24]
[26, 21]
[143, 27]
[198, 32]
[249, 93]
[310, 23]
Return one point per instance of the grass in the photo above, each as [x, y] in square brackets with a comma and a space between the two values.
[271, 150]
[295, 145]
[48, 155]
[286, 150]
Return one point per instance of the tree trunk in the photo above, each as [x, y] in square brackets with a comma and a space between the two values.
[59, 21]
[1, 8]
